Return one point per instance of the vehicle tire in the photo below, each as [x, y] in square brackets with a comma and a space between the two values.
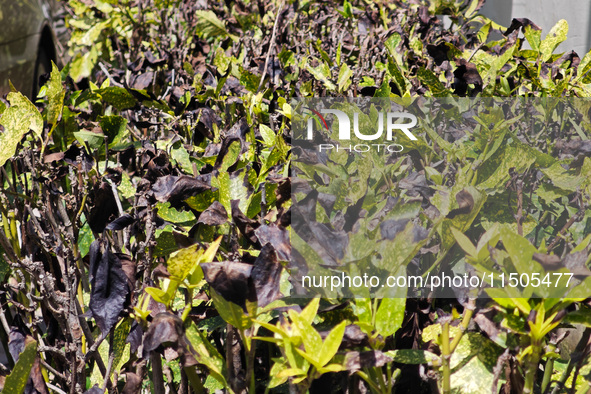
[42, 66]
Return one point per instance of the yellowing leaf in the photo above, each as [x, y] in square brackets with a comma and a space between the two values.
[55, 95]
[207, 354]
[181, 263]
[553, 39]
[344, 80]
[331, 343]
[267, 134]
[322, 73]
[390, 315]
[17, 380]
[17, 120]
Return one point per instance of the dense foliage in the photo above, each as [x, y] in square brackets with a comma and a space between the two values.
[146, 201]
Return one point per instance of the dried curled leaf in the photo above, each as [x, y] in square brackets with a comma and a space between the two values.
[109, 286]
[167, 331]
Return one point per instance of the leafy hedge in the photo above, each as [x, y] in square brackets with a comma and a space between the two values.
[146, 203]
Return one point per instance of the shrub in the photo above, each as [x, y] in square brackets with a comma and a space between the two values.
[146, 203]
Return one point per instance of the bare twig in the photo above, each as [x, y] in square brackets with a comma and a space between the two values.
[108, 75]
[498, 369]
[53, 370]
[519, 215]
[107, 376]
[55, 388]
[271, 45]
[564, 229]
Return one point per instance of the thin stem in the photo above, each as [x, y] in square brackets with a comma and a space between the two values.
[188, 307]
[468, 312]
[548, 369]
[55, 388]
[369, 381]
[195, 380]
[532, 366]
[445, 358]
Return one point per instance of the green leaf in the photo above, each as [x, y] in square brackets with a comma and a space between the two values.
[472, 364]
[309, 312]
[518, 157]
[331, 343]
[114, 127]
[384, 90]
[472, 9]
[17, 120]
[464, 242]
[230, 312]
[412, 356]
[120, 356]
[83, 64]
[553, 39]
[344, 79]
[362, 309]
[209, 25]
[430, 80]
[182, 158]
[17, 380]
[249, 80]
[331, 368]
[126, 188]
[170, 214]
[165, 242]
[202, 201]
[520, 250]
[209, 254]
[310, 337]
[158, 295]
[398, 253]
[181, 263]
[120, 351]
[390, 315]
[392, 43]
[563, 178]
[231, 156]
[347, 10]
[55, 95]
[582, 316]
[267, 134]
[278, 368]
[533, 37]
[118, 97]
[85, 238]
[221, 61]
[288, 372]
[94, 140]
[322, 73]
[232, 187]
[205, 353]
[395, 72]
[309, 356]
[584, 68]
[489, 76]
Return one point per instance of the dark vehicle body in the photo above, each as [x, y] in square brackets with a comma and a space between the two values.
[28, 43]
